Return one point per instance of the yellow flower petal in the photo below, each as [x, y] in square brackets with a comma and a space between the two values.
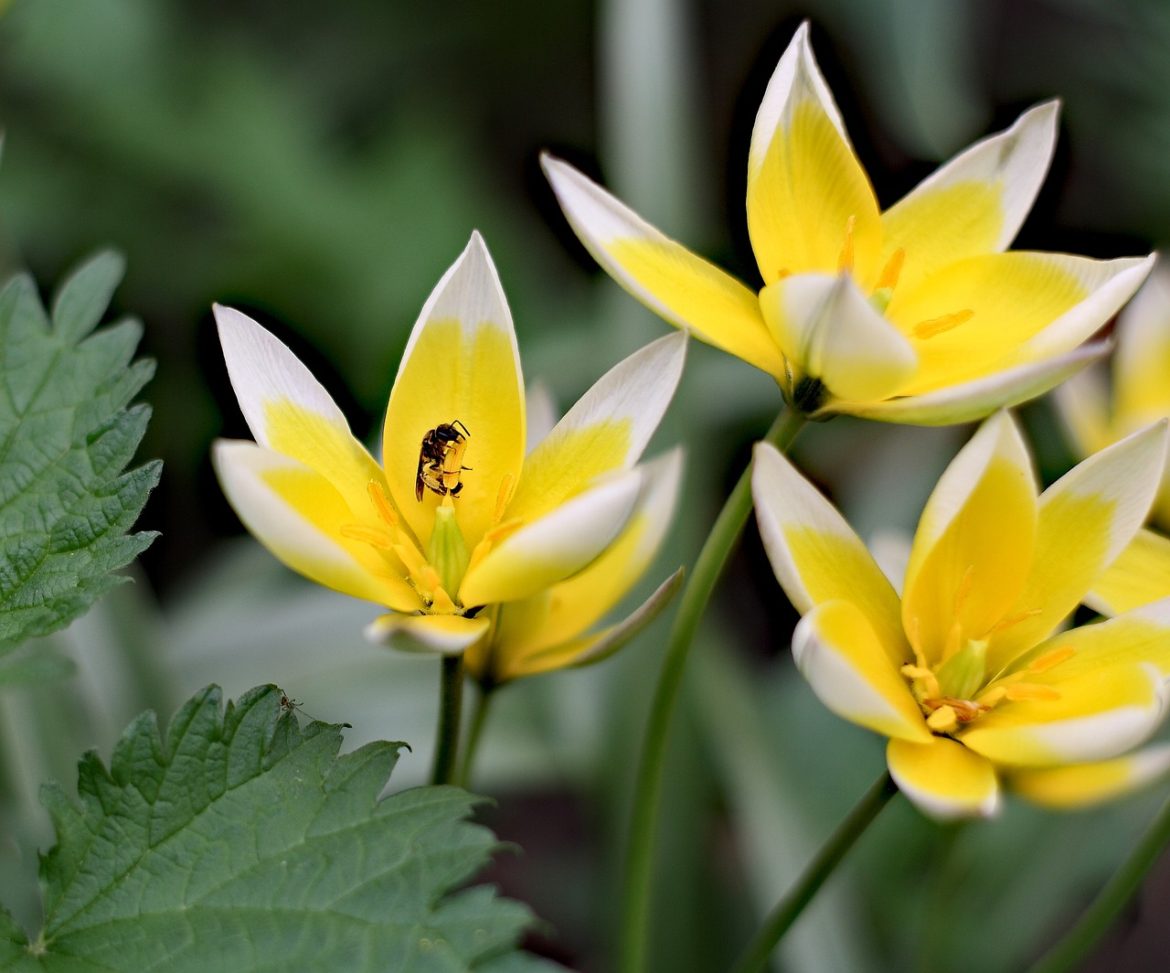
[445, 634]
[1141, 367]
[839, 654]
[976, 202]
[944, 779]
[553, 547]
[973, 548]
[460, 364]
[1083, 405]
[1087, 518]
[816, 555]
[674, 283]
[829, 330]
[1082, 785]
[973, 400]
[1139, 576]
[810, 206]
[604, 432]
[289, 411]
[1006, 309]
[298, 515]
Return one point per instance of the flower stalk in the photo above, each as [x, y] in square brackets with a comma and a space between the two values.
[648, 786]
[450, 713]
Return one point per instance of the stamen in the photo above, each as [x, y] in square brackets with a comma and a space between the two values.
[1006, 623]
[1030, 690]
[381, 502]
[933, 327]
[1050, 660]
[845, 260]
[943, 720]
[441, 602]
[928, 679]
[888, 279]
[914, 636]
[383, 540]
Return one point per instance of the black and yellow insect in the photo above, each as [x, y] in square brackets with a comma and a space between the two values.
[440, 460]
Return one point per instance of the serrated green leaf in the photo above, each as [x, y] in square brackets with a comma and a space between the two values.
[240, 841]
[66, 434]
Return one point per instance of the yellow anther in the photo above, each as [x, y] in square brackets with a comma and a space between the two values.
[943, 720]
[383, 540]
[504, 496]
[1006, 623]
[845, 260]
[1050, 660]
[1030, 690]
[932, 327]
[381, 502]
[922, 674]
[888, 279]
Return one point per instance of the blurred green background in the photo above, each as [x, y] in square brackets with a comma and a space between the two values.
[320, 166]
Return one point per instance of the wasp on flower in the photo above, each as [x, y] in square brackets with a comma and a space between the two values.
[473, 546]
[918, 314]
[965, 671]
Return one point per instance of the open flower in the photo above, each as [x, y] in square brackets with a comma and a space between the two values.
[455, 520]
[913, 315]
[963, 671]
[1097, 412]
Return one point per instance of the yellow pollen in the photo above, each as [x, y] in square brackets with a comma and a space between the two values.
[892, 270]
[1028, 690]
[1050, 660]
[933, 327]
[381, 539]
[381, 502]
[943, 720]
[504, 496]
[845, 260]
[782, 273]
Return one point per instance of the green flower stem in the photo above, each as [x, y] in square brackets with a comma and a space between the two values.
[789, 908]
[1074, 947]
[482, 704]
[450, 710]
[648, 784]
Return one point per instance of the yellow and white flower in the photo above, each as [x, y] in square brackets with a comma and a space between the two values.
[914, 315]
[1099, 409]
[965, 672]
[456, 520]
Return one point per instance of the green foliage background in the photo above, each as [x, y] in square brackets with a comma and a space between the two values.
[321, 167]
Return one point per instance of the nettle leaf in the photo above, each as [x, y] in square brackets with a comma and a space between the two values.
[67, 432]
[240, 841]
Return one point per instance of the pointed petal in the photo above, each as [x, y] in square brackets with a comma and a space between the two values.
[944, 779]
[973, 548]
[554, 547]
[288, 410]
[674, 283]
[1141, 367]
[584, 599]
[976, 202]
[298, 515]
[542, 414]
[1139, 576]
[836, 650]
[827, 328]
[973, 400]
[444, 634]
[816, 555]
[984, 314]
[1087, 518]
[604, 432]
[1082, 785]
[1083, 405]
[806, 191]
[460, 365]
[1098, 714]
[590, 649]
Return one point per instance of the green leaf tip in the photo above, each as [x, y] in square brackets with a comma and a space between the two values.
[67, 433]
[237, 839]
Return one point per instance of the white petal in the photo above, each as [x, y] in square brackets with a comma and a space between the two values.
[974, 400]
[555, 546]
[444, 634]
[542, 414]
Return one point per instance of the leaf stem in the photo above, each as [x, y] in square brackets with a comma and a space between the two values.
[648, 784]
[450, 710]
[790, 907]
[1070, 951]
[483, 703]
